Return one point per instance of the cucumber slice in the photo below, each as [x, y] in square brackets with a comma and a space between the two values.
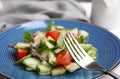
[93, 48]
[47, 43]
[43, 69]
[72, 67]
[21, 60]
[92, 53]
[58, 50]
[52, 59]
[44, 73]
[60, 28]
[51, 40]
[28, 68]
[58, 71]
[22, 45]
[83, 33]
[44, 62]
[74, 31]
[44, 53]
[82, 40]
[31, 62]
[60, 42]
[86, 47]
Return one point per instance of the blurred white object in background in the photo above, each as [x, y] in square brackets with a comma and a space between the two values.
[1, 5]
[106, 13]
[88, 7]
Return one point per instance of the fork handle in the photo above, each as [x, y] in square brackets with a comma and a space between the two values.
[111, 73]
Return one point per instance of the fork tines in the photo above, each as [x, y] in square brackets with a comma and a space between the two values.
[74, 47]
[81, 57]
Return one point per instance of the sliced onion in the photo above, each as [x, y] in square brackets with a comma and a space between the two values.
[12, 45]
[31, 43]
[38, 55]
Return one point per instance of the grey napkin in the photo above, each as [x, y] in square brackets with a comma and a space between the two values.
[19, 11]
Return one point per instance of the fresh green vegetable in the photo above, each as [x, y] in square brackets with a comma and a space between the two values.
[60, 28]
[31, 62]
[46, 53]
[27, 37]
[86, 47]
[52, 59]
[58, 71]
[48, 44]
[83, 33]
[74, 31]
[92, 53]
[72, 67]
[44, 69]
[28, 68]
[51, 40]
[21, 60]
[20, 45]
[60, 42]
[50, 27]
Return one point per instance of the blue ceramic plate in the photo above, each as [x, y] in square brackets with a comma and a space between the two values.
[106, 43]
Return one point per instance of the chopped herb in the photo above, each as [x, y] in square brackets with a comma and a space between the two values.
[27, 37]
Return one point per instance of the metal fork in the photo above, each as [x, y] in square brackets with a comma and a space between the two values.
[82, 58]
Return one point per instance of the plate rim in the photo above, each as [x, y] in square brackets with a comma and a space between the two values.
[87, 23]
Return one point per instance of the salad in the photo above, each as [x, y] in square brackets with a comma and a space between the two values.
[46, 53]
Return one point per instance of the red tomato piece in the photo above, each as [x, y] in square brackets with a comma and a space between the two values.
[21, 53]
[64, 58]
[54, 34]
